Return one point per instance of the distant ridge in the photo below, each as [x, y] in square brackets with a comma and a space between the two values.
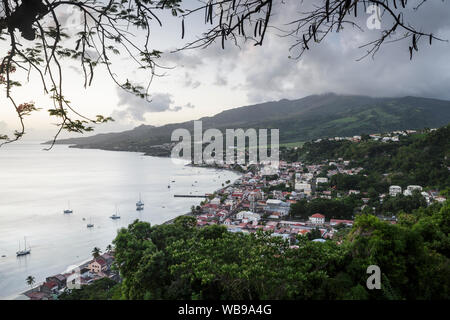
[311, 117]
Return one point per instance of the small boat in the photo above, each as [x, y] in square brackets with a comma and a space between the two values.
[115, 215]
[25, 251]
[90, 224]
[139, 204]
[68, 210]
[168, 187]
[173, 180]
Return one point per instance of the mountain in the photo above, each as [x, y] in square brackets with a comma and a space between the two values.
[312, 117]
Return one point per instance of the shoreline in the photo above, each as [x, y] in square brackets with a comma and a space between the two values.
[20, 294]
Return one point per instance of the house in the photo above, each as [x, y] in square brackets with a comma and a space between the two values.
[413, 187]
[98, 265]
[321, 180]
[395, 190]
[49, 287]
[60, 279]
[409, 190]
[248, 215]
[317, 218]
[278, 206]
[215, 201]
[304, 187]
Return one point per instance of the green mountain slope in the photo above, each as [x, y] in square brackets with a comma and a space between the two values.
[316, 116]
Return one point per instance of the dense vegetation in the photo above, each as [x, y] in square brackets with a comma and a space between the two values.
[421, 159]
[102, 289]
[181, 261]
[331, 208]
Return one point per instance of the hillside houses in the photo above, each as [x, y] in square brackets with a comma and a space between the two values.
[84, 274]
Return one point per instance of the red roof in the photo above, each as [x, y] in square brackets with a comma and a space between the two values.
[50, 284]
[318, 215]
[101, 261]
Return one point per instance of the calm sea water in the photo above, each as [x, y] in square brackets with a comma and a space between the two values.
[36, 186]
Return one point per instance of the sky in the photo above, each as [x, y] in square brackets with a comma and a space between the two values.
[204, 82]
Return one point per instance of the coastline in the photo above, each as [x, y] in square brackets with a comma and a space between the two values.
[20, 294]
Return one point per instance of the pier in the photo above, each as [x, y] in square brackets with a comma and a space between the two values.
[189, 196]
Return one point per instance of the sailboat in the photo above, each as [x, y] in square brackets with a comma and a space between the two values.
[68, 210]
[139, 204]
[25, 251]
[90, 224]
[115, 215]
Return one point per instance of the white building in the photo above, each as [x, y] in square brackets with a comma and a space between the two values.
[303, 186]
[215, 201]
[248, 215]
[317, 218]
[395, 190]
[413, 187]
[409, 190]
[321, 180]
[273, 205]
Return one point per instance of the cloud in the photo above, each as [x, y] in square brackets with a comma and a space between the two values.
[267, 72]
[137, 107]
[220, 80]
[189, 82]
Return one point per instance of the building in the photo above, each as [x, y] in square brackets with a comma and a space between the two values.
[248, 215]
[304, 187]
[98, 265]
[321, 180]
[409, 190]
[413, 187]
[395, 190]
[279, 206]
[317, 218]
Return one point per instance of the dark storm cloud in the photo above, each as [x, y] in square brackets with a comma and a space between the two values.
[331, 66]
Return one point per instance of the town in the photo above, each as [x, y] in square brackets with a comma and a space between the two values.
[264, 200]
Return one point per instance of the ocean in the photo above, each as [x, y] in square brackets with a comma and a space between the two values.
[37, 185]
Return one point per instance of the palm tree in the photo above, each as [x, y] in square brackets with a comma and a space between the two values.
[30, 281]
[109, 248]
[96, 252]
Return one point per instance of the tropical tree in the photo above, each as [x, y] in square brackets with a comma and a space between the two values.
[109, 248]
[30, 281]
[96, 252]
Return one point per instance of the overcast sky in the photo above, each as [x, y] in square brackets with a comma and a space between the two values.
[204, 82]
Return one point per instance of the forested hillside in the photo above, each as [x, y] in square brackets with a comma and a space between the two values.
[419, 159]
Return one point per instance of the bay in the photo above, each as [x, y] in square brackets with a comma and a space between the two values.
[36, 186]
